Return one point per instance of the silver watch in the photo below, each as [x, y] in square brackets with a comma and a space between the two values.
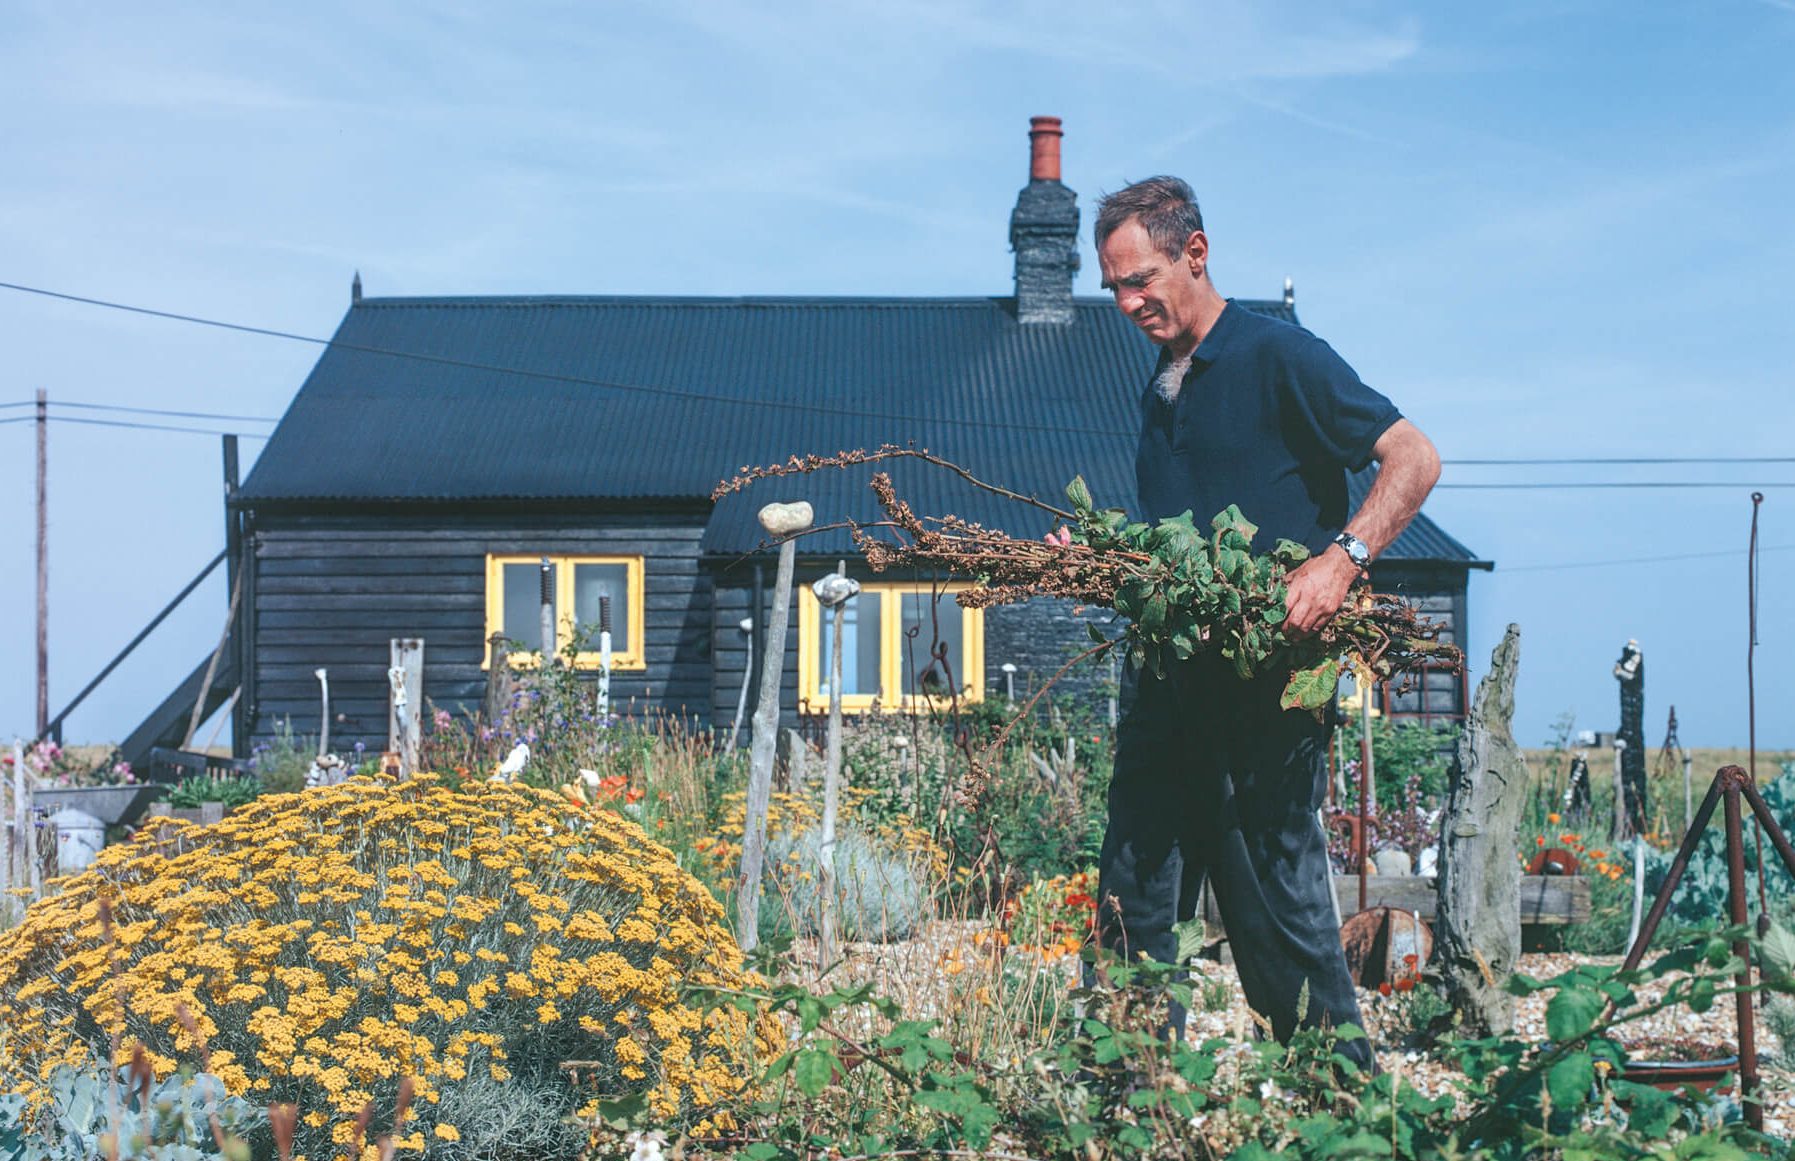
[1356, 549]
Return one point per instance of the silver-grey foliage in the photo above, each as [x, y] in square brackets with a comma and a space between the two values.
[880, 893]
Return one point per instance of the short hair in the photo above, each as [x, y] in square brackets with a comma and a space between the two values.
[1165, 207]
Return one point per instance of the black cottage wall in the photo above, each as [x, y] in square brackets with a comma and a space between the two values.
[331, 590]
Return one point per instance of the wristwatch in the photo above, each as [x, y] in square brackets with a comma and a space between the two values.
[1356, 549]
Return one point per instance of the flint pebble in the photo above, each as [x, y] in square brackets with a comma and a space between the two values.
[786, 519]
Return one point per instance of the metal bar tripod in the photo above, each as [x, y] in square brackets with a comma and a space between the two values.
[1729, 785]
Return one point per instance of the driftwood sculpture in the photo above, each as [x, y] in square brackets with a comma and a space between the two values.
[1477, 928]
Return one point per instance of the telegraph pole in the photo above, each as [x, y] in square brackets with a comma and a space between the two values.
[43, 565]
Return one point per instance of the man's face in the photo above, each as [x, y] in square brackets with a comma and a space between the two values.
[1161, 295]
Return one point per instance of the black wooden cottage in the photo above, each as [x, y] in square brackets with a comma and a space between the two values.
[442, 447]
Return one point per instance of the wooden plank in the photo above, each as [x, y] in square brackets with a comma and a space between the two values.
[414, 584]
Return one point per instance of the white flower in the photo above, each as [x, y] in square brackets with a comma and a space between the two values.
[1267, 1091]
[646, 1146]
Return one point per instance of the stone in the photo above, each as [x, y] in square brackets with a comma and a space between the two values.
[787, 519]
[1392, 862]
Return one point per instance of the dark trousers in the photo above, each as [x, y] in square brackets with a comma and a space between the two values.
[1211, 777]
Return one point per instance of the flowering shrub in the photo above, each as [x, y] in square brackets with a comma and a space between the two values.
[1053, 917]
[331, 943]
[51, 766]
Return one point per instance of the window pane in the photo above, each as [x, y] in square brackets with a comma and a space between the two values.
[859, 647]
[591, 582]
[934, 620]
[523, 605]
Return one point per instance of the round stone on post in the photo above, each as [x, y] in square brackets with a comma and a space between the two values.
[834, 589]
[786, 519]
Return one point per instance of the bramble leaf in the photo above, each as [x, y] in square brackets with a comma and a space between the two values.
[1079, 493]
[1313, 688]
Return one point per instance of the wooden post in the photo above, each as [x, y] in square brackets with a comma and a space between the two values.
[31, 867]
[43, 565]
[1367, 787]
[17, 830]
[781, 520]
[501, 682]
[405, 701]
[548, 612]
[1619, 830]
[1478, 916]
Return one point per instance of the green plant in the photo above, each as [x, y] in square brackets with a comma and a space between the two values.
[327, 945]
[880, 893]
[87, 1114]
[281, 762]
[861, 1077]
[1703, 890]
[189, 793]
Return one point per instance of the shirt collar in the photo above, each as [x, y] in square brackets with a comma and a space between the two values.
[1210, 349]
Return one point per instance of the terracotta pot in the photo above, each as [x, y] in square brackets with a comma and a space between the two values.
[1671, 1075]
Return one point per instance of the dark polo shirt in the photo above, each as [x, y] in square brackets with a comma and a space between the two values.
[1269, 418]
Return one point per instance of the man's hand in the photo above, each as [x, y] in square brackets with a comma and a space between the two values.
[1317, 589]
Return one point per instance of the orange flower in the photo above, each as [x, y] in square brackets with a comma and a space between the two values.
[1539, 840]
[1552, 819]
[1406, 984]
[1383, 989]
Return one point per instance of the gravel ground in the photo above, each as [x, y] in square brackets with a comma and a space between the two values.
[935, 974]
[1383, 1016]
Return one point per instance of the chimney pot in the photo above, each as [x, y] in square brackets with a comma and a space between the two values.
[1044, 135]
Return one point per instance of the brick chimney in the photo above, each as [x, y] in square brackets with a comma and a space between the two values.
[1044, 232]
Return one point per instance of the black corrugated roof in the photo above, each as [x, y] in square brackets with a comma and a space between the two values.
[587, 398]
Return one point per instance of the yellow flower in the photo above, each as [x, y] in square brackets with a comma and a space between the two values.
[447, 1132]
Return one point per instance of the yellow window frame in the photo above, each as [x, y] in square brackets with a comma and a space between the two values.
[634, 658]
[969, 667]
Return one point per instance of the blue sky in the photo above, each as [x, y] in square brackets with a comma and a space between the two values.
[1544, 229]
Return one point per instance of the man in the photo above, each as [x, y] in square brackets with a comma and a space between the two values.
[1211, 777]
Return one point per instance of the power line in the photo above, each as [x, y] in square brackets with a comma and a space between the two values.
[1542, 486]
[135, 426]
[1592, 461]
[550, 376]
[702, 397]
[158, 411]
[1638, 560]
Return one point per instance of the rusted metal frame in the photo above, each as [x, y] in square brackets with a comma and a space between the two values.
[1678, 865]
[1733, 776]
[1729, 784]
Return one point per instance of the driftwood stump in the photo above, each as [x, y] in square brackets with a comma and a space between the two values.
[1478, 922]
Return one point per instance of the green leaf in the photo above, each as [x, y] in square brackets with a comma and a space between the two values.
[1572, 1012]
[1229, 519]
[813, 1069]
[1312, 688]
[1777, 949]
[1079, 493]
[1153, 614]
[1290, 552]
[1570, 1081]
[1650, 1111]
[761, 1151]
[1096, 634]
[1190, 940]
[1701, 994]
